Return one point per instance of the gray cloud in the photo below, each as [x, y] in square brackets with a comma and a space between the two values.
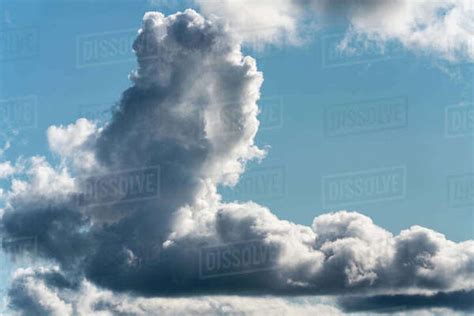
[33, 295]
[459, 300]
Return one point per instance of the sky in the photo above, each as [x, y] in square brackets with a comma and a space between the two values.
[384, 130]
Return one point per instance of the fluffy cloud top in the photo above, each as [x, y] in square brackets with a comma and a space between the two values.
[192, 111]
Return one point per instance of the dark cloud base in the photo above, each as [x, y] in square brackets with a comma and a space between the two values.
[457, 301]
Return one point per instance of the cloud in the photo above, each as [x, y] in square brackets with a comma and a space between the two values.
[35, 298]
[199, 134]
[443, 28]
[75, 143]
[5, 148]
[32, 296]
[460, 300]
[259, 22]
[439, 28]
[6, 169]
[45, 292]
[191, 116]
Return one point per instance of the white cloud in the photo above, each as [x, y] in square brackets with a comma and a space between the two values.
[5, 148]
[258, 22]
[43, 184]
[6, 169]
[344, 252]
[442, 28]
[74, 143]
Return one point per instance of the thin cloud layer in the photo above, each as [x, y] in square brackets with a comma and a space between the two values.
[191, 115]
[454, 301]
[442, 28]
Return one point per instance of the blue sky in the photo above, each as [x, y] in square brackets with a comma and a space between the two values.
[300, 90]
